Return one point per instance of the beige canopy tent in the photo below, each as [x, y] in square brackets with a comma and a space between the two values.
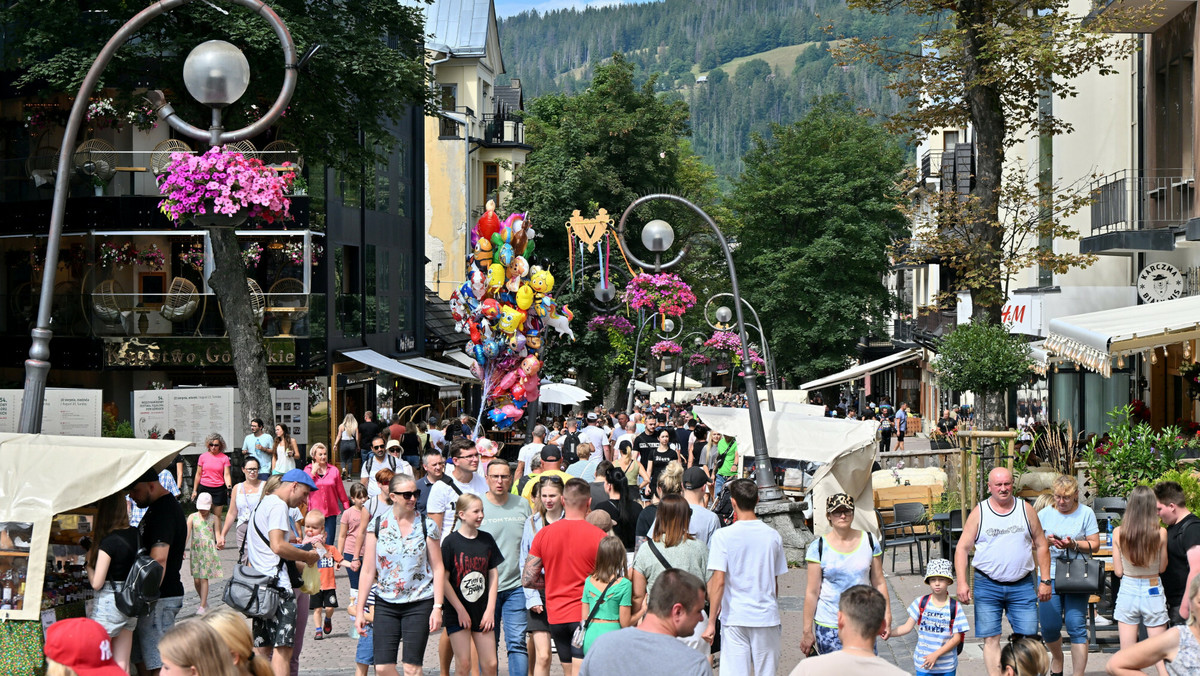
[643, 386]
[562, 393]
[795, 396]
[45, 475]
[846, 447]
[684, 382]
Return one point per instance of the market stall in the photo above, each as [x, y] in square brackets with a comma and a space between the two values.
[46, 485]
[845, 449]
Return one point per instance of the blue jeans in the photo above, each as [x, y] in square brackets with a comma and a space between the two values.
[993, 600]
[1051, 612]
[718, 484]
[510, 612]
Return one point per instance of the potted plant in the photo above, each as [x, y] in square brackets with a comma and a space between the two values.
[299, 186]
[223, 188]
[98, 185]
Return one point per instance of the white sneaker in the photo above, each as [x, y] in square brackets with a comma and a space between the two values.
[1102, 621]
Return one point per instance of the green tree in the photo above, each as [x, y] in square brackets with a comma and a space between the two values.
[816, 211]
[604, 147]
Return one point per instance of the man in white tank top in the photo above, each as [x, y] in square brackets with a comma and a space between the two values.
[1003, 533]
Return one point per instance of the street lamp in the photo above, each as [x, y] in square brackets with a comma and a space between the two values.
[724, 315]
[765, 478]
[223, 77]
[668, 327]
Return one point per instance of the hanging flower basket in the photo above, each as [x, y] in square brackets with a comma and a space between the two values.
[222, 188]
[724, 340]
[664, 294]
[699, 359]
[615, 322]
[666, 348]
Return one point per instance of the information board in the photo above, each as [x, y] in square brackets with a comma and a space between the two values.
[66, 411]
[194, 413]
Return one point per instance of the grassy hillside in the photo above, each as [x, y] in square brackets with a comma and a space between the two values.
[780, 58]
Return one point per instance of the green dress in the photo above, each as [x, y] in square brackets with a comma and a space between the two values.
[620, 593]
[205, 563]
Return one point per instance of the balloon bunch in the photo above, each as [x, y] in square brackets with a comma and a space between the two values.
[506, 305]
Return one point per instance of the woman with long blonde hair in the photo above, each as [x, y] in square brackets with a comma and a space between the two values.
[235, 633]
[193, 646]
[1139, 557]
[348, 442]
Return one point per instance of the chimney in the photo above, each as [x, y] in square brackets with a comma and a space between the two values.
[515, 83]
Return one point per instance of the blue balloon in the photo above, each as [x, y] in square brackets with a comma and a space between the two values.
[506, 254]
[480, 355]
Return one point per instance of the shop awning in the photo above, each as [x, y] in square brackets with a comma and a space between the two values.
[369, 357]
[460, 358]
[864, 370]
[1094, 338]
[437, 367]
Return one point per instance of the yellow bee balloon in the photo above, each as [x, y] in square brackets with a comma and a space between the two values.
[542, 281]
[524, 297]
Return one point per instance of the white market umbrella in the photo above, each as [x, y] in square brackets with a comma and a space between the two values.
[643, 386]
[561, 393]
[685, 382]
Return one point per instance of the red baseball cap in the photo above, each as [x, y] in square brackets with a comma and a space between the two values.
[83, 645]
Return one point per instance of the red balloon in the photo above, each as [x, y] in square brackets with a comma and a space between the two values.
[489, 308]
[489, 223]
[518, 392]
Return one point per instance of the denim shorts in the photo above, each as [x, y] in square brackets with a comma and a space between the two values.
[827, 639]
[105, 610]
[994, 599]
[151, 626]
[365, 652]
[1140, 602]
[1073, 607]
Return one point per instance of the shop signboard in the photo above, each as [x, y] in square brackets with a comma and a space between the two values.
[66, 411]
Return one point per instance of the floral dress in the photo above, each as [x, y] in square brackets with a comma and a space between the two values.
[205, 563]
[404, 574]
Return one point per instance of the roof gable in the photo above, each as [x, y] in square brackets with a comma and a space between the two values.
[466, 28]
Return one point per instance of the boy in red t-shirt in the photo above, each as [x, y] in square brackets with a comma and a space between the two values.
[325, 603]
[566, 551]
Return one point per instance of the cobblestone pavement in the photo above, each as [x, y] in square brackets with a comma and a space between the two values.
[335, 655]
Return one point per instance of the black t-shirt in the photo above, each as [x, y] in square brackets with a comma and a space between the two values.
[367, 432]
[624, 528]
[645, 520]
[661, 459]
[1181, 536]
[644, 444]
[165, 523]
[702, 432]
[467, 564]
[682, 435]
[410, 444]
[121, 547]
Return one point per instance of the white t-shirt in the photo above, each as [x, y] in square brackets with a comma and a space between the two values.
[373, 465]
[595, 436]
[437, 439]
[527, 452]
[272, 514]
[750, 553]
[442, 498]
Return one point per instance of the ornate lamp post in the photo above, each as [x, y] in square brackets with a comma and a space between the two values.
[658, 236]
[216, 73]
[724, 316]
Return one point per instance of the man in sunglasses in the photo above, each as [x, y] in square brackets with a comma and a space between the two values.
[380, 459]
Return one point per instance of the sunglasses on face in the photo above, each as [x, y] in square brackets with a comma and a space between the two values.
[250, 470]
[407, 495]
[376, 447]
[214, 445]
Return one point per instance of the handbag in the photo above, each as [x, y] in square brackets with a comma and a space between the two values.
[1078, 575]
[250, 592]
[581, 630]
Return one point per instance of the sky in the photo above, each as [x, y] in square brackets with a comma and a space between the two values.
[510, 7]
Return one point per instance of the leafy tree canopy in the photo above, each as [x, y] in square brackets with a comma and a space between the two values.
[368, 72]
[982, 358]
[816, 211]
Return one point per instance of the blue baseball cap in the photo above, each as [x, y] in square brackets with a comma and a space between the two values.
[299, 476]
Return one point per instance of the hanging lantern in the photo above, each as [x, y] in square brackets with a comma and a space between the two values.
[1154, 355]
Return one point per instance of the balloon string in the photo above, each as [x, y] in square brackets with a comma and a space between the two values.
[600, 253]
[571, 254]
[607, 256]
[483, 399]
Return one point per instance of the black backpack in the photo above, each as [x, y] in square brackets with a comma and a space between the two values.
[569, 454]
[142, 584]
[723, 507]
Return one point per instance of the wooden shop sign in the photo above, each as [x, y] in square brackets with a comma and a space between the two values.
[188, 352]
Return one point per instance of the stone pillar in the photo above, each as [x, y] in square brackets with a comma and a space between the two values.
[788, 518]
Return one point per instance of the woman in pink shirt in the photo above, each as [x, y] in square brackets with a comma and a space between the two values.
[330, 497]
[213, 469]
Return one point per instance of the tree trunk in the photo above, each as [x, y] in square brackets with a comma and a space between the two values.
[987, 114]
[612, 395]
[228, 281]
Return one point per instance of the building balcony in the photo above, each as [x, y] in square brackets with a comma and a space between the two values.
[1132, 213]
[931, 165]
[1134, 16]
[451, 128]
[503, 130]
[932, 324]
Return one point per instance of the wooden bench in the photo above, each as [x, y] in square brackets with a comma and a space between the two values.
[886, 498]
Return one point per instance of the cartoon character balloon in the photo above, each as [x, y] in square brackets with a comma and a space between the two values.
[505, 305]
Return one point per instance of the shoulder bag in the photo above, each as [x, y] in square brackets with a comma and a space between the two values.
[250, 592]
[581, 630]
[1080, 574]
